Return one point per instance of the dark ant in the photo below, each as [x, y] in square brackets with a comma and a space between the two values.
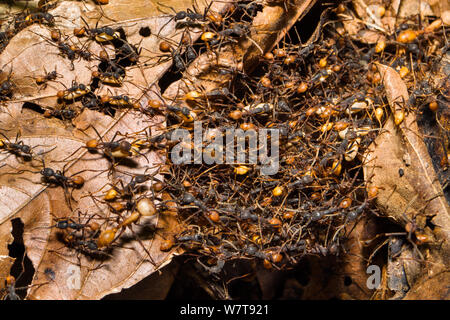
[65, 114]
[84, 54]
[130, 189]
[49, 76]
[18, 147]
[68, 224]
[41, 17]
[194, 18]
[67, 51]
[46, 5]
[112, 78]
[75, 91]
[89, 246]
[109, 71]
[181, 111]
[128, 52]
[178, 63]
[37, 17]
[352, 215]
[176, 55]
[253, 251]
[90, 102]
[135, 180]
[317, 215]
[292, 247]
[238, 30]
[58, 178]
[250, 9]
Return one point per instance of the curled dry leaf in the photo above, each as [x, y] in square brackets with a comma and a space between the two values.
[416, 196]
[77, 276]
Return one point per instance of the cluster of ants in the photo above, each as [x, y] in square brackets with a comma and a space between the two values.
[326, 98]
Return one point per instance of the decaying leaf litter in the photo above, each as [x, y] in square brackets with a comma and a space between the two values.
[325, 201]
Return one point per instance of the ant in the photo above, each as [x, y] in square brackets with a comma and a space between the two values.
[67, 51]
[37, 17]
[58, 177]
[115, 77]
[128, 52]
[112, 73]
[17, 147]
[114, 149]
[130, 189]
[238, 30]
[10, 285]
[68, 224]
[41, 17]
[49, 76]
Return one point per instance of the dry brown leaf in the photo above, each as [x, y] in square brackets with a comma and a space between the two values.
[417, 195]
